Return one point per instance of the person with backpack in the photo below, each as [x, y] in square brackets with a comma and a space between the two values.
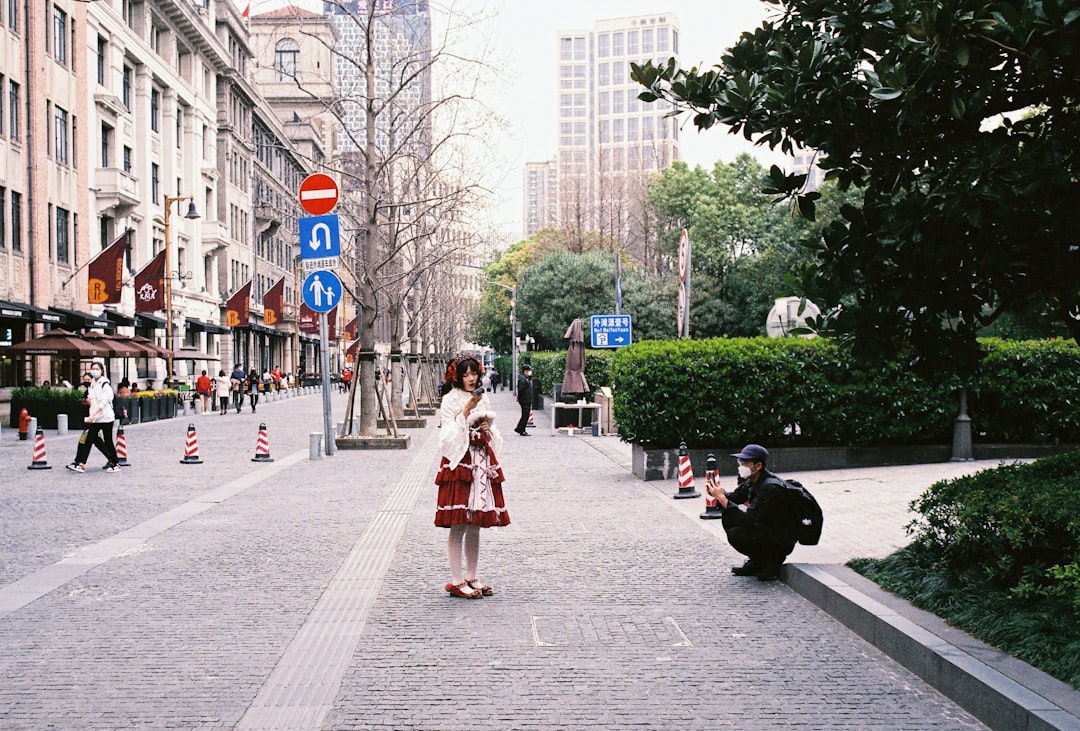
[758, 515]
[99, 424]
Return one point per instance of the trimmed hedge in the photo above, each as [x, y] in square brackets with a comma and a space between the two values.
[549, 368]
[798, 392]
[997, 553]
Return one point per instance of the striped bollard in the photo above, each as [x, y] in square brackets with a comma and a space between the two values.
[191, 447]
[41, 460]
[262, 446]
[686, 475]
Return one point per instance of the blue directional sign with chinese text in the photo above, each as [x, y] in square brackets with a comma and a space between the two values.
[320, 242]
[610, 331]
[322, 290]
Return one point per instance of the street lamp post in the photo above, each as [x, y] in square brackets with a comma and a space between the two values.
[513, 332]
[191, 214]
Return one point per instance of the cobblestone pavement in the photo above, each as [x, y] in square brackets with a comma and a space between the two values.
[308, 594]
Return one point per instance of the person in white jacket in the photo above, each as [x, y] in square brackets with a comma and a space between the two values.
[469, 478]
[99, 423]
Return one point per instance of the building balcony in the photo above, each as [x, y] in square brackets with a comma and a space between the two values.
[114, 188]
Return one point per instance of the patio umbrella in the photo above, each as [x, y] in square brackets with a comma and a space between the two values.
[149, 347]
[63, 344]
[119, 345]
[192, 354]
[574, 376]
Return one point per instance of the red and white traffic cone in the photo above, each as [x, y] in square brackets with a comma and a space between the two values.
[121, 448]
[191, 447]
[712, 505]
[530, 422]
[686, 475]
[262, 446]
[41, 460]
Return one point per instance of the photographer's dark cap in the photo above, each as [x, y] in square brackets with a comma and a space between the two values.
[752, 453]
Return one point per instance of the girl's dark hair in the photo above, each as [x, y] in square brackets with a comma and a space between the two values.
[455, 373]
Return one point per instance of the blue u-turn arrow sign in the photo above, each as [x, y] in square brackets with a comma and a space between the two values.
[319, 237]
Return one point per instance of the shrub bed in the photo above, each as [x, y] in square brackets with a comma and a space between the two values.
[998, 554]
[812, 393]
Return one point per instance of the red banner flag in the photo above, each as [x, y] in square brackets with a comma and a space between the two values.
[350, 329]
[309, 322]
[150, 285]
[272, 303]
[106, 270]
[238, 308]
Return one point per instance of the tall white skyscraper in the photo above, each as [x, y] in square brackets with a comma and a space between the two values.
[609, 142]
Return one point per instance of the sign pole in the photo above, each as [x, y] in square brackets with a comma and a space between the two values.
[324, 366]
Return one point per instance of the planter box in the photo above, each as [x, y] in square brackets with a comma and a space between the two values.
[663, 464]
[45, 411]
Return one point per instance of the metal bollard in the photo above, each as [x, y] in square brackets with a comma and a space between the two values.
[314, 446]
[61, 424]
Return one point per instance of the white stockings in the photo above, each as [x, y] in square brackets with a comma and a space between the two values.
[465, 537]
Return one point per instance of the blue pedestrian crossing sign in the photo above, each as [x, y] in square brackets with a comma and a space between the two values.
[322, 291]
[610, 331]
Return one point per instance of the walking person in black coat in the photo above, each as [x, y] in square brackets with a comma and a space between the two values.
[525, 399]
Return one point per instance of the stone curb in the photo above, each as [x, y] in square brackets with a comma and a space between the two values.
[1003, 692]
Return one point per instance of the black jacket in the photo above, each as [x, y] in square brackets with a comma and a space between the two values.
[770, 508]
[524, 389]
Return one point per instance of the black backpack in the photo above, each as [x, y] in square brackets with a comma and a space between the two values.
[806, 508]
[119, 412]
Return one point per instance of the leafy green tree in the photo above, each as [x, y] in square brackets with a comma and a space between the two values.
[961, 123]
[560, 288]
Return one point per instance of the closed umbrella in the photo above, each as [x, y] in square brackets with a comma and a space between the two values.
[574, 376]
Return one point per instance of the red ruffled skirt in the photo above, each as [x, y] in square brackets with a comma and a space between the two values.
[455, 490]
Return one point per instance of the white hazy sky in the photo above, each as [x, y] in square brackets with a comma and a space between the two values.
[524, 38]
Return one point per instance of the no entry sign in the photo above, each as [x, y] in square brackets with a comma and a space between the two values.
[318, 194]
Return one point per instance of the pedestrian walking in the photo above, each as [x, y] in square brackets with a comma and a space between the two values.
[763, 531]
[236, 386]
[253, 386]
[202, 388]
[99, 423]
[524, 399]
[469, 478]
[223, 389]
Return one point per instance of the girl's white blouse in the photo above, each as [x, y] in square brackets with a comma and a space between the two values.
[454, 432]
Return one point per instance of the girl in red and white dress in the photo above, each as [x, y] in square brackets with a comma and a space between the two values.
[469, 478]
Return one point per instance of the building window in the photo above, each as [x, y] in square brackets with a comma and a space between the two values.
[647, 44]
[126, 92]
[127, 159]
[155, 110]
[59, 35]
[102, 47]
[60, 135]
[604, 75]
[179, 126]
[603, 45]
[16, 221]
[661, 39]
[155, 182]
[13, 15]
[286, 59]
[3, 84]
[617, 44]
[13, 110]
[675, 41]
[106, 145]
[617, 101]
[579, 48]
[3, 208]
[632, 43]
[566, 49]
[62, 235]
